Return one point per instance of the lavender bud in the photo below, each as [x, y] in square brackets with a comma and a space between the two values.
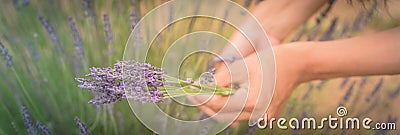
[251, 130]
[107, 29]
[45, 130]
[88, 8]
[134, 19]
[6, 56]
[28, 121]
[82, 127]
[344, 82]
[53, 36]
[77, 41]
[331, 30]
[375, 90]
[395, 93]
[348, 94]
[32, 50]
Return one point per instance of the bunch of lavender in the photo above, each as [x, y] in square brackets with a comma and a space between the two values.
[140, 82]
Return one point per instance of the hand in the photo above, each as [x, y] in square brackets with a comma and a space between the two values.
[251, 100]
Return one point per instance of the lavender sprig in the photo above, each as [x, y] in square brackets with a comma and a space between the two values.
[28, 122]
[77, 41]
[7, 57]
[53, 36]
[139, 82]
[82, 127]
[45, 130]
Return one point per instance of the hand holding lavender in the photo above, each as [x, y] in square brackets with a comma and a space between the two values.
[140, 82]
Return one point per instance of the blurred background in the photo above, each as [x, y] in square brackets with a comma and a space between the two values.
[45, 44]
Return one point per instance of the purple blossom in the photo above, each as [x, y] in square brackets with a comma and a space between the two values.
[77, 41]
[344, 82]
[7, 57]
[396, 92]
[82, 127]
[133, 18]
[348, 94]
[375, 90]
[331, 30]
[32, 50]
[28, 122]
[127, 80]
[251, 130]
[107, 29]
[189, 80]
[88, 8]
[53, 36]
[45, 130]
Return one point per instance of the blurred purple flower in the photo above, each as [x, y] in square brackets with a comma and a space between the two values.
[82, 127]
[77, 41]
[7, 57]
[53, 36]
[28, 122]
[45, 130]
[88, 8]
[348, 94]
[396, 92]
[32, 50]
[107, 29]
[375, 90]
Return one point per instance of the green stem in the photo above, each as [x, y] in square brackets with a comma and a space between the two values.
[26, 92]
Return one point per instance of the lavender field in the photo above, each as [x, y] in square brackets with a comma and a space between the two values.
[45, 45]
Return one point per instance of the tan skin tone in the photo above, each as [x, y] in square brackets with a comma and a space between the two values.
[375, 54]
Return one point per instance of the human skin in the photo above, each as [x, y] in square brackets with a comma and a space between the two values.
[301, 62]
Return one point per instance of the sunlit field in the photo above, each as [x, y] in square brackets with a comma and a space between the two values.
[45, 45]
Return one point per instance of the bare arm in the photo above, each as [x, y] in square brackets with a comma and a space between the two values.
[278, 18]
[375, 54]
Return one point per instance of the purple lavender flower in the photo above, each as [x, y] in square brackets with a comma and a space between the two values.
[204, 130]
[348, 94]
[6, 56]
[300, 33]
[251, 130]
[32, 50]
[396, 92]
[45, 130]
[308, 93]
[107, 29]
[203, 116]
[82, 127]
[189, 80]
[88, 8]
[127, 80]
[227, 131]
[76, 64]
[28, 121]
[375, 90]
[77, 41]
[344, 82]
[134, 19]
[53, 36]
[329, 34]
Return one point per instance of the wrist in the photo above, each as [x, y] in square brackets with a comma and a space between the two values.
[293, 60]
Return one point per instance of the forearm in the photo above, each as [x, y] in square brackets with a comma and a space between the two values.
[376, 54]
[280, 17]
